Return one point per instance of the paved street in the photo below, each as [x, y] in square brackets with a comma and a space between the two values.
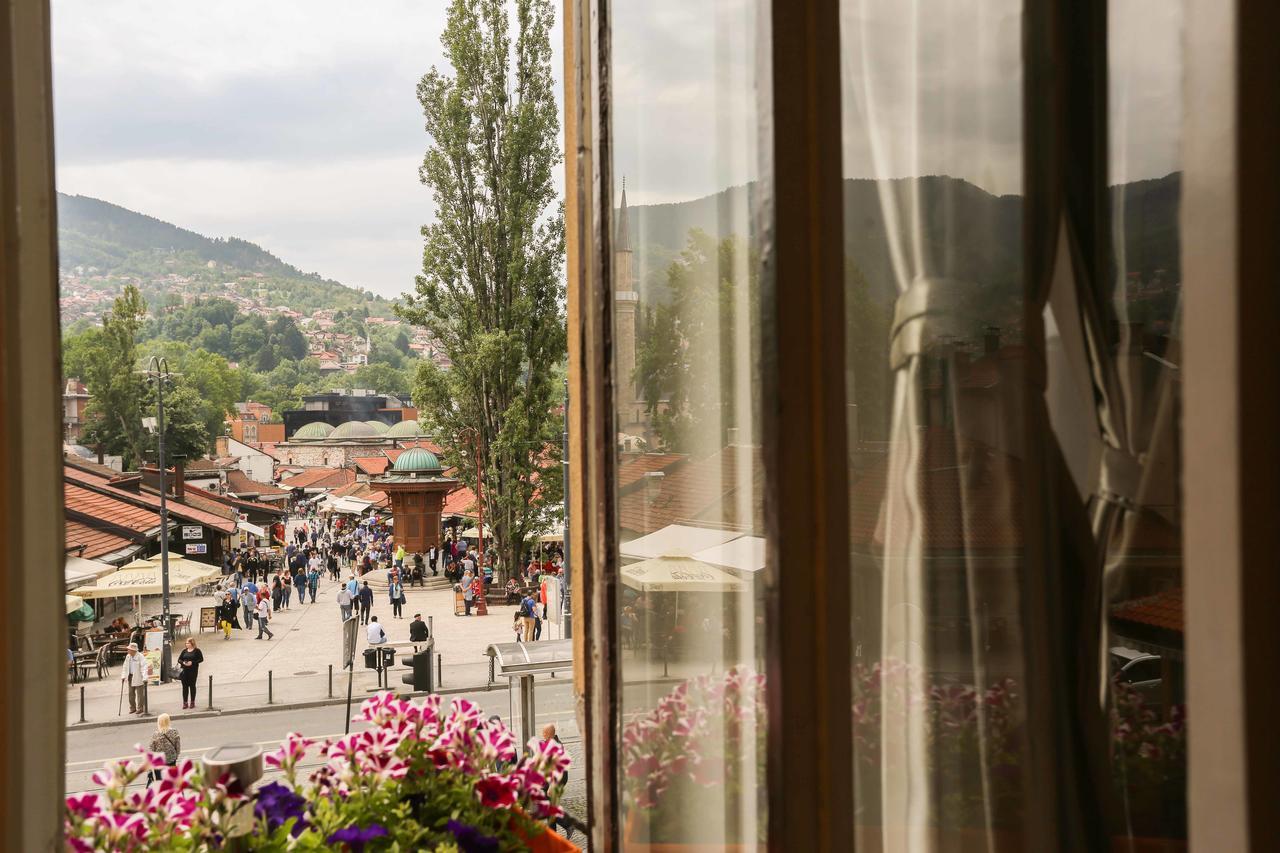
[308, 639]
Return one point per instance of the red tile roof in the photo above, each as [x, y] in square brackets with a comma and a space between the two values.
[98, 484]
[320, 478]
[1162, 610]
[86, 504]
[372, 465]
[633, 466]
[963, 495]
[237, 503]
[707, 489]
[239, 483]
[91, 543]
[461, 501]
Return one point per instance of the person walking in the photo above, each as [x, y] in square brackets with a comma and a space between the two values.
[527, 606]
[264, 616]
[226, 614]
[277, 592]
[287, 589]
[366, 603]
[344, 602]
[135, 672]
[396, 592]
[313, 582]
[165, 741]
[467, 593]
[248, 598]
[189, 670]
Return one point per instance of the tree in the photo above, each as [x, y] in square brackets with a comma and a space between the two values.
[115, 385]
[381, 378]
[490, 288]
[184, 429]
[688, 349]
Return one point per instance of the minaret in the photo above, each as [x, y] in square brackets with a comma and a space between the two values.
[626, 302]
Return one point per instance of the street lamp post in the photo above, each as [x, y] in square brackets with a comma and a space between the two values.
[566, 602]
[158, 372]
[475, 450]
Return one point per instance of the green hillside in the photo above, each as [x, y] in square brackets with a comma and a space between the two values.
[98, 238]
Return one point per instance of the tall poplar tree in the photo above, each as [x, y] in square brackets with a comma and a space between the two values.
[491, 290]
[116, 388]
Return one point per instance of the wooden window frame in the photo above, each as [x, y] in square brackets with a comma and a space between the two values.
[1231, 211]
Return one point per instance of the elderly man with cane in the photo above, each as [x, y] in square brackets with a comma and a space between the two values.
[136, 670]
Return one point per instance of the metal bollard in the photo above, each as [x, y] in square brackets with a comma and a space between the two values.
[330, 681]
[82, 703]
[211, 693]
[268, 687]
[439, 672]
[146, 699]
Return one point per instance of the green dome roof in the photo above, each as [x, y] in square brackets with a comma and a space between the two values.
[378, 427]
[405, 429]
[315, 429]
[353, 429]
[417, 460]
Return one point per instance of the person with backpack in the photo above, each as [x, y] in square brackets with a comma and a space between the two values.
[395, 590]
[527, 617]
[165, 741]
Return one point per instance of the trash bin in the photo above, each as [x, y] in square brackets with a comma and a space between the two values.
[370, 658]
[388, 657]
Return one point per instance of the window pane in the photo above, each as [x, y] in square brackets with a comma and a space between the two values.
[953, 703]
[1144, 551]
[687, 267]
[937, 364]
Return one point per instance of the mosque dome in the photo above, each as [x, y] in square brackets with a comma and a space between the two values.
[354, 429]
[314, 430]
[417, 460]
[405, 429]
[378, 427]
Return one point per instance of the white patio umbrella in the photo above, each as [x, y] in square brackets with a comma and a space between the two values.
[74, 603]
[679, 573]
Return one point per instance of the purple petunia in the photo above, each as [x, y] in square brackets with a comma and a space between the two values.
[356, 838]
[277, 804]
[470, 839]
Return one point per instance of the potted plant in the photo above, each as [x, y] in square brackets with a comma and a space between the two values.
[421, 777]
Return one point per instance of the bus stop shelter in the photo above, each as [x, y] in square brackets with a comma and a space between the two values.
[520, 664]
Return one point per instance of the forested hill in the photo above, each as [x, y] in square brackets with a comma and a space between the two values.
[101, 244]
[978, 233]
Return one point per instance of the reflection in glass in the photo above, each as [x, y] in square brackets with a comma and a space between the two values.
[954, 705]
[686, 300]
[937, 368]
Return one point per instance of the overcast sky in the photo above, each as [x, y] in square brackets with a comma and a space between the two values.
[291, 124]
[295, 124]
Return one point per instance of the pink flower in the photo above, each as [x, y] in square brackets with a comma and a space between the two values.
[496, 791]
[86, 805]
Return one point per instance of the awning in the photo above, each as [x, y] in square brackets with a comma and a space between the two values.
[744, 554]
[252, 528]
[351, 506]
[143, 577]
[474, 533]
[78, 571]
[676, 539]
[679, 574]
[556, 535]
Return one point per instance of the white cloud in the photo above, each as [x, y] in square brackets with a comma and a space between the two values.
[291, 124]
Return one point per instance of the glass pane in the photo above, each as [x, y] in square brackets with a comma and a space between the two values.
[949, 696]
[937, 367]
[1144, 547]
[687, 308]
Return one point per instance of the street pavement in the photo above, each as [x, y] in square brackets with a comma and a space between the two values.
[308, 639]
